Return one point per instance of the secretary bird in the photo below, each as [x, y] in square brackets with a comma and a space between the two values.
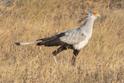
[74, 39]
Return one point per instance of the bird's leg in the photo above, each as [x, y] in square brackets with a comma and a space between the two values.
[60, 49]
[75, 53]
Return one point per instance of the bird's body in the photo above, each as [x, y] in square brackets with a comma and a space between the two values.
[74, 39]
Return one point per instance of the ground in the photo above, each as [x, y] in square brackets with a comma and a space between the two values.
[101, 61]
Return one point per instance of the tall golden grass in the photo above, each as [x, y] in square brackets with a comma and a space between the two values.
[101, 61]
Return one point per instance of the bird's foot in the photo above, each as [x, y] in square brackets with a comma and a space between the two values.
[54, 57]
[73, 60]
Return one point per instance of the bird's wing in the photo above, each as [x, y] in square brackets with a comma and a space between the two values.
[73, 36]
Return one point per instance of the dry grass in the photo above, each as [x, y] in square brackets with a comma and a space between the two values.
[102, 61]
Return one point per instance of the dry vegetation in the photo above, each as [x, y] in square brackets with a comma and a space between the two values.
[101, 61]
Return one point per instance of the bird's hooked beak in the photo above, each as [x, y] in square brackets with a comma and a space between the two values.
[96, 14]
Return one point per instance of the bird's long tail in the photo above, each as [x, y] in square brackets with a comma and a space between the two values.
[49, 41]
[28, 43]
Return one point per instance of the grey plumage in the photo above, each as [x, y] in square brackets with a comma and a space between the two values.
[70, 37]
[73, 36]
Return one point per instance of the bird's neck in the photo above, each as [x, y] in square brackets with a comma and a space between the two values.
[87, 27]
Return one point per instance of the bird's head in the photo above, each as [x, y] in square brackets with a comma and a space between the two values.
[93, 14]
